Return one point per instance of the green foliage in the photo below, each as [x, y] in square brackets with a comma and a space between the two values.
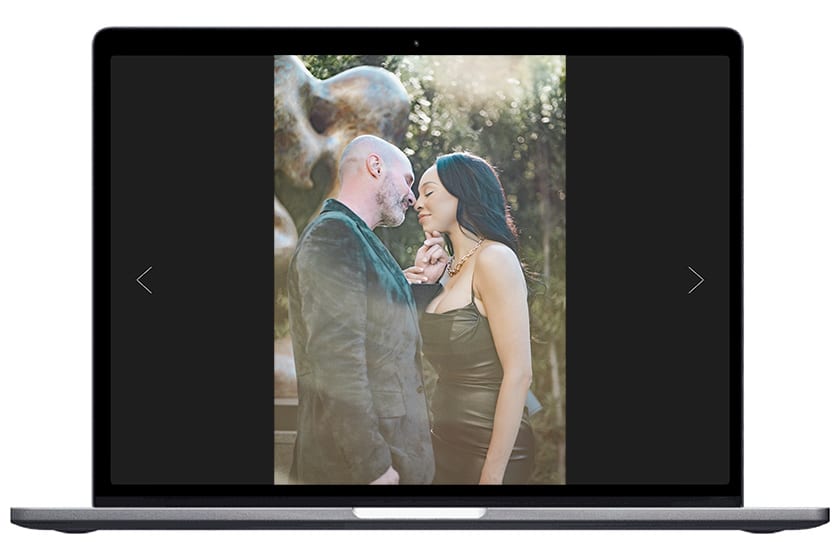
[327, 66]
[512, 112]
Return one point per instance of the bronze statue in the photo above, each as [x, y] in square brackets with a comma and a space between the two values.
[313, 121]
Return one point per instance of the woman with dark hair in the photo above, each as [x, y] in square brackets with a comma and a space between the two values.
[476, 330]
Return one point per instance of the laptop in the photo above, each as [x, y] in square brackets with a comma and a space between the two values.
[537, 380]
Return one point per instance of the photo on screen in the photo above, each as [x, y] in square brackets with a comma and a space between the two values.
[383, 374]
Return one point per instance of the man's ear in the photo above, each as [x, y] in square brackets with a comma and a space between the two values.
[373, 164]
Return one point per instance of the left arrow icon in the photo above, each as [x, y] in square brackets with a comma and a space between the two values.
[141, 283]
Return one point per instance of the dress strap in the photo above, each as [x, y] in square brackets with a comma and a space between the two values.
[472, 286]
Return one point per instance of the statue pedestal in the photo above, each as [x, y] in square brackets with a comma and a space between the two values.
[285, 409]
[285, 424]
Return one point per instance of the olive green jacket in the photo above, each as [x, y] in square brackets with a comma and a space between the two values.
[362, 404]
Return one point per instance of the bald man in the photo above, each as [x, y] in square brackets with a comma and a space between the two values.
[362, 414]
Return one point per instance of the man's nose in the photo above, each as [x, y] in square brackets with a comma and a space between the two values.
[411, 200]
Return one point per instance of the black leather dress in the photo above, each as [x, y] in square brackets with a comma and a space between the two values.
[459, 345]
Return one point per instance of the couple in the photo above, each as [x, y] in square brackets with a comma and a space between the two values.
[362, 414]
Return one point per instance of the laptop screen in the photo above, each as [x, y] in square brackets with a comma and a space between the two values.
[493, 266]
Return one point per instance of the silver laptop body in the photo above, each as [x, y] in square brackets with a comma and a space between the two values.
[198, 94]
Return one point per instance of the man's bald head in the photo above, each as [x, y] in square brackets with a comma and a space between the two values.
[354, 158]
[375, 180]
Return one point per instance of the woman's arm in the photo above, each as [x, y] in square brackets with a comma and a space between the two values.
[500, 283]
[429, 262]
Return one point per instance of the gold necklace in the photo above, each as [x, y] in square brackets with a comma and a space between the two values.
[453, 270]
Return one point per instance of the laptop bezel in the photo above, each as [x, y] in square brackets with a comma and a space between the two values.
[268, 42]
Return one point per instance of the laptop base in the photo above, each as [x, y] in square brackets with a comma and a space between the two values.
[755, 520]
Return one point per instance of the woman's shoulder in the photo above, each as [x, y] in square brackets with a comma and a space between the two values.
[496, 264]
[495, 254]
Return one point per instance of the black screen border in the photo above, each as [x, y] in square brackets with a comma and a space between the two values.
[268, 42]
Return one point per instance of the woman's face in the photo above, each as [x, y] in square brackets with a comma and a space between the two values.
[436, 207]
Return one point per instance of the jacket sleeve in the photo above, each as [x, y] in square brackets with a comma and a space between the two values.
[332, 284]
[424, 294]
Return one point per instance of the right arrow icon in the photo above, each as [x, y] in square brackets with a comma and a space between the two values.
[698, 283]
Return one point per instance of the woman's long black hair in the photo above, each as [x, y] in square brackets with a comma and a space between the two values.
[482, 206]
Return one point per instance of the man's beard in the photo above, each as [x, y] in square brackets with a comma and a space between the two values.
[391, 205]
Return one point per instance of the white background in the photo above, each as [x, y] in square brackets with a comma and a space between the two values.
[792, 349]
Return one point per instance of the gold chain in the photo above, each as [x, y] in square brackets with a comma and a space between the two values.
[453, 270]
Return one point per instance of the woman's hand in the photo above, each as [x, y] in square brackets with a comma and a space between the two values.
[488, 477]
[415, 275]
[430, 261]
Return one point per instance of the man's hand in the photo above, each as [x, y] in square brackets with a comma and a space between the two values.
[390, 477]
[430, 261]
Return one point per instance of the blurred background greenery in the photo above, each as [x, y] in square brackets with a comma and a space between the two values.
[512, 112]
